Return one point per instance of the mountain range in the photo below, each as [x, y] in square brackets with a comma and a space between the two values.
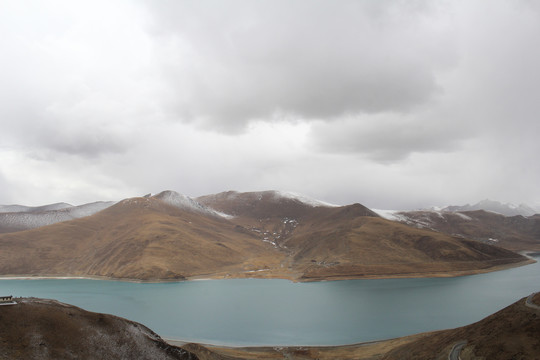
[170, 236]
[517, 233]
[496, 207]
[17, 217]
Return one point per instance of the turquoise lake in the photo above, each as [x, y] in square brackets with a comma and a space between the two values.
[280, 312]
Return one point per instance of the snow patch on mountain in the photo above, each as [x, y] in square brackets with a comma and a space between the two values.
[88, 209]
[184, 202]
[303, 199]
[32, 218]
[22, 208]
[223, 215]
[463, 216]
[27, 220]
[496, 207]
[394, 215]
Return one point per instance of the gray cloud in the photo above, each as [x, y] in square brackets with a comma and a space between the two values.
[89, 143]
[388, 103]
[5, 196]
[388, 138]
[241, 61]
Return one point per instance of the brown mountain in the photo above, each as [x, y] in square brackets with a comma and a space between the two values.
[138, 238]
[510, 232]
[267, 234]
[47, 329]
[331, 242]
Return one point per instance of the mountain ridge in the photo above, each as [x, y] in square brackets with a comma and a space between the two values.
[517, 233]
[495, 206]
[170, 236]
[35, 217]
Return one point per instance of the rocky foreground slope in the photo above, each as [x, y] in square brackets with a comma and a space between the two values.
[267, 234]
[47, 329]
[512, 333]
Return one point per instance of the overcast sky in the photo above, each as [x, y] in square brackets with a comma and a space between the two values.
[392, 104]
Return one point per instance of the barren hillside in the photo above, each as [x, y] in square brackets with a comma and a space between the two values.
[170, 236]
[512, 333]
[510, 232]
[47, 329]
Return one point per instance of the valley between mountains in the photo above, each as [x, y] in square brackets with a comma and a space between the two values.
[171, 237]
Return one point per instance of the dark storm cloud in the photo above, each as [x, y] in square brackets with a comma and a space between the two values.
[237, 61]
[89, 144]
[386, 138]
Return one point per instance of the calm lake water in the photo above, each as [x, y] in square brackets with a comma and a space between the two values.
[279, 312]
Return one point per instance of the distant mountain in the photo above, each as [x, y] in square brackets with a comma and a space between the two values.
[32, 209]
[495, 206]
[263, 204]
[47, 329]
[510, 232]
[257, 234]
[17, 218]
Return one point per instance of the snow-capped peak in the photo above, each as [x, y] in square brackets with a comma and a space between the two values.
[393, 215]
[185, 202]
[26, 217]
[33, 209]
[303, 199]
[496, 207]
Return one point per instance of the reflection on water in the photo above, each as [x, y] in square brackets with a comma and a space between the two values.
[279, 312]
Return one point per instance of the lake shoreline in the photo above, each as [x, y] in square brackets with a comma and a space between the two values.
[358, 330]
[362, 350]
[441, 274]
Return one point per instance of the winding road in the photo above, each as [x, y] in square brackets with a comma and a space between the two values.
[456, 350]
[529, 302]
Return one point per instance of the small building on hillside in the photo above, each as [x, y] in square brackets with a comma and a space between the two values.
[7, 300]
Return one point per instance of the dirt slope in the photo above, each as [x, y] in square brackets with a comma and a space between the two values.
[328, 242]
[512, 333]
[47, 329]
[139, 238]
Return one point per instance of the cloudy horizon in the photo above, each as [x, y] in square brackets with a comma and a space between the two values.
[392, 104]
